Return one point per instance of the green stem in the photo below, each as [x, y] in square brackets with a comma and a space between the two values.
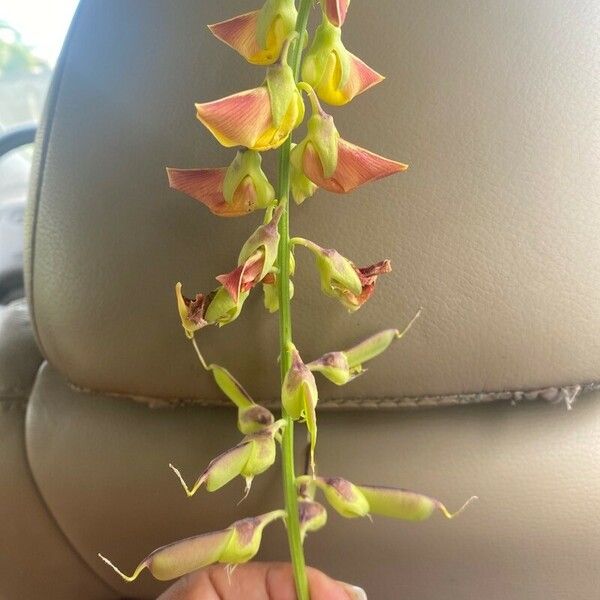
[285, 331]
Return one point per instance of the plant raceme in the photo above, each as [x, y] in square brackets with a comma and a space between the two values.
[258, 120]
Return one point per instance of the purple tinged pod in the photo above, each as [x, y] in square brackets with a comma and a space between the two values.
[343, 366]
[313, 516]
[299, 397]
[252, 456]
[237, 544]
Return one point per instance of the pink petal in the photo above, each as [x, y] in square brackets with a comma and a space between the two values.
[355, 166]
[239, 33]
[244, 277]
[206, 186]
[361, 78]
[336, 11]
[239, 119]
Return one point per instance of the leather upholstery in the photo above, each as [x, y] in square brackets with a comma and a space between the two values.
[531, 536]
[493, 230]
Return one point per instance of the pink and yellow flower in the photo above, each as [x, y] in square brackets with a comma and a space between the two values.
[259, 35]
[234, 191]
[261, 118]
[335, 73]
[333, 163]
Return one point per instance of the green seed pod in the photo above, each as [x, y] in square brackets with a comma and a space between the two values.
[299, 396]
[342, 367]
[404, 504]
[247, 166]
[342, 495]
[252, 456]
[236, 544]
[313, 516]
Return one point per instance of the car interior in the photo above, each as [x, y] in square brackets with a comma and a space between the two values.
[493, 231]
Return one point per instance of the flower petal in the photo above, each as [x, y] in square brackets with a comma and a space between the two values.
[206, 186]
[336, 11]
[238, 120]
[355, 167]
[243, 277]
[239, 33]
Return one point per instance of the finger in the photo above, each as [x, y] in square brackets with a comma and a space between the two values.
[257, 581]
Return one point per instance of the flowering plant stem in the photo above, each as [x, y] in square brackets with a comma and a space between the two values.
[285, 330]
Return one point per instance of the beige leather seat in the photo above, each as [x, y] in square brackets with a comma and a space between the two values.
[494, 230]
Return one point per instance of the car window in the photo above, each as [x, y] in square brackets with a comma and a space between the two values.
[31, 36]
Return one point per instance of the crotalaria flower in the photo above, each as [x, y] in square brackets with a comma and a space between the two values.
[343, 366]
[252, 456]
[333, 163]
[341, 278]
[351, 500]
[256, 260]
[299, 397]
[336, 74]
[261, 118]
[259, 35]
[234, 191]
[335, 11]
[237, 544]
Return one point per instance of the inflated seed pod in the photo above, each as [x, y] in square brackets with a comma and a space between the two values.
[341, 494]
[351, 500]
[252, 417]
[236, 544]
[404, 504]
[343, 366]
[251, 457]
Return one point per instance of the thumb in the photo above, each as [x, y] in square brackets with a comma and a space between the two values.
[258, 581]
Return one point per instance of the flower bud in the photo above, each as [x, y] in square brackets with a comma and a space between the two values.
[261, 118]
[336, 74]
[259, 35]
[236, 544]
[334, 366]
[342, 495]
[299, 396]
[335, 11]
[312, 515]
[252, 456]
[235, 191]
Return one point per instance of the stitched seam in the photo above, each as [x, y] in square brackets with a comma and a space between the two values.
[566, 394]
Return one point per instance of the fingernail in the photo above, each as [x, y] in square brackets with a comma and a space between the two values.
[355, 592]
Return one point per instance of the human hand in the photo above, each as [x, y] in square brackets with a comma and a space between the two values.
[257, 581]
